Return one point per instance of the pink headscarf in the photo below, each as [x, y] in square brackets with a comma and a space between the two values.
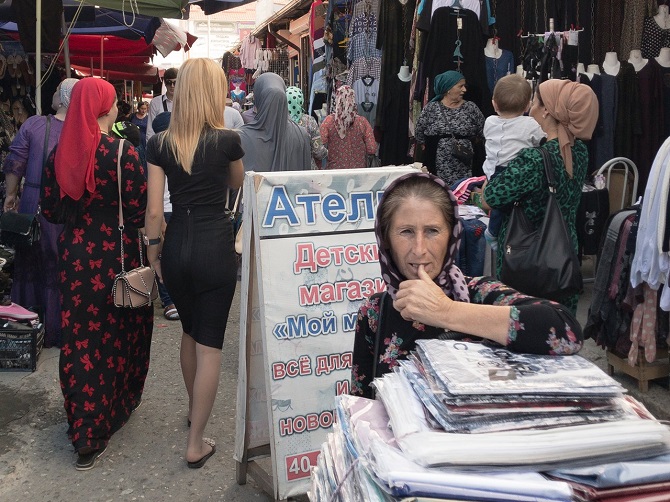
[75, 156]
[575, 107]
[345, 110]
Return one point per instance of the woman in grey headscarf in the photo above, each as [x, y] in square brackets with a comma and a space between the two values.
[273, 142]
[35, 268]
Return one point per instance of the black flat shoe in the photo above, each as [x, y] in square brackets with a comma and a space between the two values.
[87, 460]
[199, 463]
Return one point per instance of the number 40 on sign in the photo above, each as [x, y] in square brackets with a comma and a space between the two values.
[299, 466]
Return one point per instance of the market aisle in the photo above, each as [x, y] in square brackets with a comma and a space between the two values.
[145, 459]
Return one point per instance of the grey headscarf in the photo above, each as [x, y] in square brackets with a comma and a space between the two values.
[66, 90]
[272, 142]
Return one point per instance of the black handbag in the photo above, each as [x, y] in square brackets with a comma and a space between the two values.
[23, 229]
[19, 229]
[462, 152]
[541, 261]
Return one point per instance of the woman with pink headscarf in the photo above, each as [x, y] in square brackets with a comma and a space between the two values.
[347, 136]
[567, 112]
[105, 349]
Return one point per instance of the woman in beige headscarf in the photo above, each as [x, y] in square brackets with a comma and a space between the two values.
[568, 113]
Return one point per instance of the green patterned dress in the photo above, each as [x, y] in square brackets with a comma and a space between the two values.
[524, 180]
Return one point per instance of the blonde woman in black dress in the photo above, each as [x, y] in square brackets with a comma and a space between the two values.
[202, 160]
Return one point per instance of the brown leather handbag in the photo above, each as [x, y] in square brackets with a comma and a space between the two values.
[137, 287]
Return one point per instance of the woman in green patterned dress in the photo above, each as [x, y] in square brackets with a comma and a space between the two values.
[568, 113]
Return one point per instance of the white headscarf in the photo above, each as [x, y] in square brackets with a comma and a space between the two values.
[65, 92]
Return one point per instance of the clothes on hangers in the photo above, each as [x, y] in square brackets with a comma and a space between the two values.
[633, 23]
[438, 58]
[366, 99]
[609, 104]
[628, 112]
[650, 106]
[650, 264]
[653, 38]
[250, 45]
[607, 321]
[362, 67]
[496, 68]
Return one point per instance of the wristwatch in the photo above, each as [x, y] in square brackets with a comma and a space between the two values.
[151, 242]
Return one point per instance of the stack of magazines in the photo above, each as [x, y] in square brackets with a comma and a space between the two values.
[537, 428]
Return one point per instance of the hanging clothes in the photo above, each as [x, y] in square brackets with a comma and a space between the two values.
[496, 68]
[393, 110]
[650, 94]
[595, 84]
[609, 103]
[653, 38]
[633, 24]
[628, 112]
[665, 79]
[609, 14]
[643, 327]
[250, 45]
[607, 321]
[651, 265]
[451, 48]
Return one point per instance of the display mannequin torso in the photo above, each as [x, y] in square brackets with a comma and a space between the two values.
[663, 17]
[593, 68]
[664, 57]
[591, 71]
[637, 60]
[611, 65]
[492, 50]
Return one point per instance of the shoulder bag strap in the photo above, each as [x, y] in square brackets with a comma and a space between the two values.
[45, 154]
[46, 142]
[237, 200]
[548, 170]
[378, 334]
[118, 178]
[165, 106]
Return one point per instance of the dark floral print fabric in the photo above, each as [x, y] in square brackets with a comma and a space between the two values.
[105, 352]
[452, 125]
[536, 326]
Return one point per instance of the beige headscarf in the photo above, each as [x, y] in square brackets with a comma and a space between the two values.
[575, 107]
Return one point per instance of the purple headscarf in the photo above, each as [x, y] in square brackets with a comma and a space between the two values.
[450, 279]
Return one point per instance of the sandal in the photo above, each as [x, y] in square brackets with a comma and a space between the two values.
[170, 313]
[199, 463]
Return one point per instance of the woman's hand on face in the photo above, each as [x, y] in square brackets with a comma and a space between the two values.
[422, 300]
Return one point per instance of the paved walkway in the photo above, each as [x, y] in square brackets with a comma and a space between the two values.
[144, 460]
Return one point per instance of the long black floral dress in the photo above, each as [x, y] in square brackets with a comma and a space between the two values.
[105, 353]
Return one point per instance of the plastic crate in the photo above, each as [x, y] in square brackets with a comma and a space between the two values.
[20, 346]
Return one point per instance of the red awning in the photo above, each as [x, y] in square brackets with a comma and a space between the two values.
[149, 75]
[121, 58]
[89, 45]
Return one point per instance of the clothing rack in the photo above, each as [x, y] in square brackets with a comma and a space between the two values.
[551, 30]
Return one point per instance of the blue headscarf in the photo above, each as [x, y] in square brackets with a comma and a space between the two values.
[445, 81]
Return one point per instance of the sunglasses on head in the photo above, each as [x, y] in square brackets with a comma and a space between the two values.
[170, 82]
